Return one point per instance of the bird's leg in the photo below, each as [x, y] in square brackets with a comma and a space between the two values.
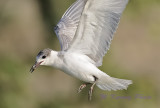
[91, 91]
[82, 87]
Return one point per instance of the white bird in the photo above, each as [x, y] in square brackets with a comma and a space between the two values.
[85, 32]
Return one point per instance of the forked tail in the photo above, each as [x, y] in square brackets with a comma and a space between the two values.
[106, 82]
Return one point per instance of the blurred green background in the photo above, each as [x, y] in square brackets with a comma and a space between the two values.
[26, 27]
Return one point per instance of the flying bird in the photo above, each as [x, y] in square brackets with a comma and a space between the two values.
[85, 32]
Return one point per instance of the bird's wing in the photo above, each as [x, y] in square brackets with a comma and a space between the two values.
[67, 26]
[97, 26]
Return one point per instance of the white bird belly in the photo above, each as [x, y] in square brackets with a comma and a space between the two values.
[80, 66]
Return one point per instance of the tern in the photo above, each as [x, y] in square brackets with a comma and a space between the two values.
[85, 32]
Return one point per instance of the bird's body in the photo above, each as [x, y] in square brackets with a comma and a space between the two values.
[85, 32]
[82, 67]
[78, 65]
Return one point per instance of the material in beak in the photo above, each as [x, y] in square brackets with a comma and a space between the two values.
[35, 66]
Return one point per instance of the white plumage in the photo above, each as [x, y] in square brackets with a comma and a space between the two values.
[85, 32]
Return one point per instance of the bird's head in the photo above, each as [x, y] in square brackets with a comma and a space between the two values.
[43, 58]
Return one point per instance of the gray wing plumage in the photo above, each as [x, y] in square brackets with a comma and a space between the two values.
[67, 26]
[97, 26]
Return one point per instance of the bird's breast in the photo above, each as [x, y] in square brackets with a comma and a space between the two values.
[79, 66]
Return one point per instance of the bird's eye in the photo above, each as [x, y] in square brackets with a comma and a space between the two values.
[43, 57]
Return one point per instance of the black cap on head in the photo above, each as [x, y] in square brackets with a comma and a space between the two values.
[44, 53]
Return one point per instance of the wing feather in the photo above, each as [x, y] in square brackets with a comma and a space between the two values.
[98, 23]
[67, 26]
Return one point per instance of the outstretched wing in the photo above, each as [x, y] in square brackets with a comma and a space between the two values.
[67, 26]
[97, 26]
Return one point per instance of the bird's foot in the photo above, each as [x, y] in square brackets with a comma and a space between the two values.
[90, 92]
[82, 87]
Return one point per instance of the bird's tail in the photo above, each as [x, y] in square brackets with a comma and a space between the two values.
[105, 82]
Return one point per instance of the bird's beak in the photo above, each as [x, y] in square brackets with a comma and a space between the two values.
[35, 66]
